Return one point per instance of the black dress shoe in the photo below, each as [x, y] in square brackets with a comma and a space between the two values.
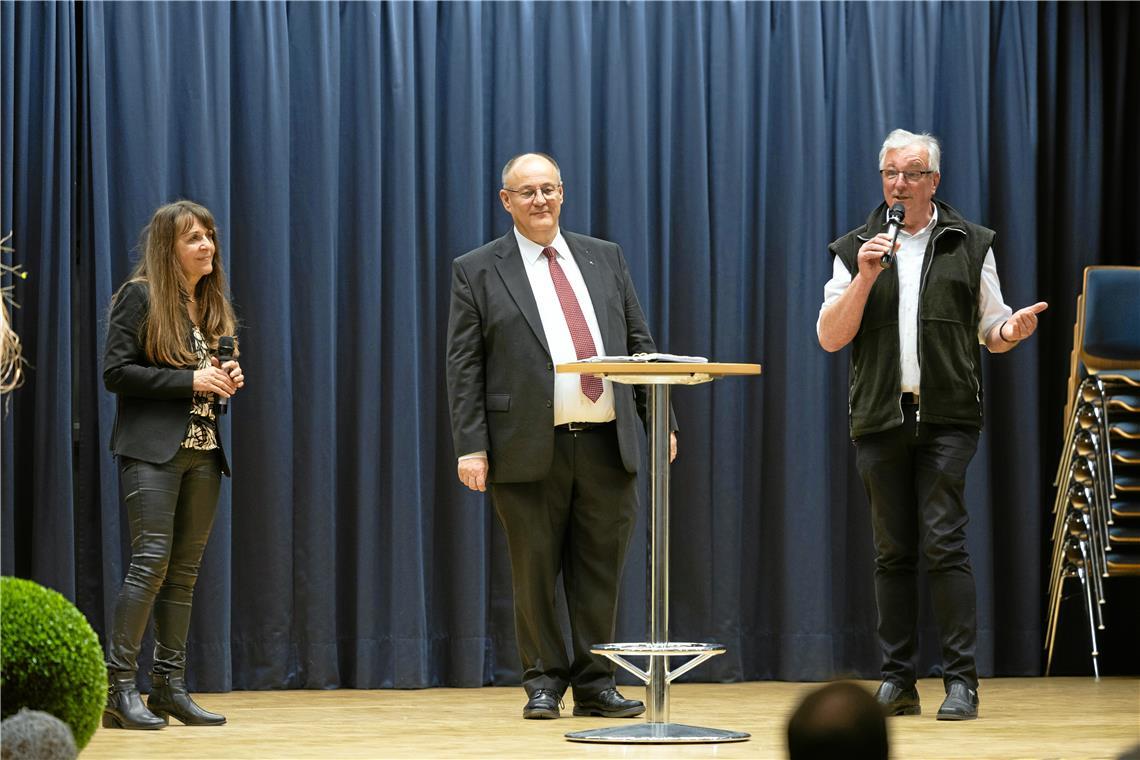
[961, 703]
[609, 704]
[896, 700]
[543, 704]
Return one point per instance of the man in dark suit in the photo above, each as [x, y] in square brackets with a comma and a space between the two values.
[559, 452]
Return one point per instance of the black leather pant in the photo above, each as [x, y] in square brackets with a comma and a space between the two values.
[916, 482]
[171, 507]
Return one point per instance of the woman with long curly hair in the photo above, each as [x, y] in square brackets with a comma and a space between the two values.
[161, 363]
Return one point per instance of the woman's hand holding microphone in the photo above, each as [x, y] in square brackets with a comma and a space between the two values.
[221, 379]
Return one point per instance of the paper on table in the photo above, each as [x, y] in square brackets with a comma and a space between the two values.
[651, 357]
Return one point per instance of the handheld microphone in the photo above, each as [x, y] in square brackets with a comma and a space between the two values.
[225, 354]
[894, 225]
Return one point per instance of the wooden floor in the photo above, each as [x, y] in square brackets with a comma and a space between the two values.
[1020, 718]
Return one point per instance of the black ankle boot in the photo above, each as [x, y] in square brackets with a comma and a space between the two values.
[168, 697]
[124, 705]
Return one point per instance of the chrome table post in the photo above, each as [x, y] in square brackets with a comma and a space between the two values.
[657, 729]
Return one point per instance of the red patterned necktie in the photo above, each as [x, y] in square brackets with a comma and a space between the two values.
[579, 330]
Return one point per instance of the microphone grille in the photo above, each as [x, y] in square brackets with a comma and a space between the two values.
[897, 212]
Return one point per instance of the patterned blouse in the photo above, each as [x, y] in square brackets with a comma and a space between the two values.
[202, 432]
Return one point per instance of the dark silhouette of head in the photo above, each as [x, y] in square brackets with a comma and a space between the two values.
[839, 720]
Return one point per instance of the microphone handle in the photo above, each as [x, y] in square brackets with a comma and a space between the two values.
[889, 257]
[221, 403]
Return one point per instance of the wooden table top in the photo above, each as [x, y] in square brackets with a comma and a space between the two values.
[719, 369]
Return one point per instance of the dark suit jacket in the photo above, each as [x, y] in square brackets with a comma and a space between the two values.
[500, 376]
[153, 401]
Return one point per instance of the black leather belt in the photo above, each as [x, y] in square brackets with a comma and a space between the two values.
[580, 427]
[910, 399]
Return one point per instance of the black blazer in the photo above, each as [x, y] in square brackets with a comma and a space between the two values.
[153, 400]
[500, 376]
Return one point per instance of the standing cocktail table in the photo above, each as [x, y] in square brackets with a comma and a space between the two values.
[660, 377]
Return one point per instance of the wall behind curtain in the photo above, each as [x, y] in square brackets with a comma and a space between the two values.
[351, 151]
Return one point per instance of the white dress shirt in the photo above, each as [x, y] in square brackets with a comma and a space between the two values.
[992, 309]
[570, 404]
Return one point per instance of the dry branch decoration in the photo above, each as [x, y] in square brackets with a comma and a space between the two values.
[11, 353]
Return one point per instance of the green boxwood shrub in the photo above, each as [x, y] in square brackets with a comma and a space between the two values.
[50, 659]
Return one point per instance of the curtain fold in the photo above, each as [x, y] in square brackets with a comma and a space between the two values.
[37, 206]
[350, 151]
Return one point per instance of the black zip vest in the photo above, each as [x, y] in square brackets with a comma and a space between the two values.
[949, 355]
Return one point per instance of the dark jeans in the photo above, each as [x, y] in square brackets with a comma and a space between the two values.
[915, 481]
[578, 520]
[171, 507]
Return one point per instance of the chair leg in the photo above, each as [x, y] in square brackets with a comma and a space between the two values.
[1092, 626]
[1060, 502]
[1105, 454]
[1088, 474]
[1070, 432]
[1054, 616]
[1094, 586]
[1060, 527]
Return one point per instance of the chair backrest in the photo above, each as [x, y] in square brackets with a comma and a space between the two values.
[1076, 372]
[1110, 319]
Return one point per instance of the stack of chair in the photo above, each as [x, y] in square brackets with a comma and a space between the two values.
[1096, 531]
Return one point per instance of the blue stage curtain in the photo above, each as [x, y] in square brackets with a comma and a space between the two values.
[38, 103]
[351, 150]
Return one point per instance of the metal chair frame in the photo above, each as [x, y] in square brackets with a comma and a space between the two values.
[1100, 415]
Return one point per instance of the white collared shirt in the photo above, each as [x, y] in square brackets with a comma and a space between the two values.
[992, 309]
[570, 404]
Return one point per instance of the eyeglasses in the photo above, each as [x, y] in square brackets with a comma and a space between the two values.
[890, 175]
[549, 192]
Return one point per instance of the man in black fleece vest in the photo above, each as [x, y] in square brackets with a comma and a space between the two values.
[915, 326]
